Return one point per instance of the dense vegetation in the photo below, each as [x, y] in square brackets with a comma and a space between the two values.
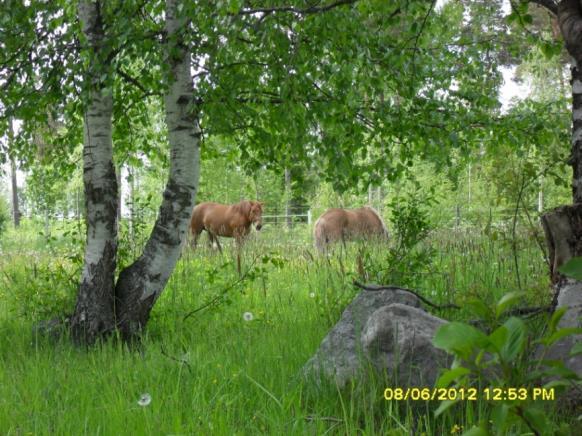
[208, 370]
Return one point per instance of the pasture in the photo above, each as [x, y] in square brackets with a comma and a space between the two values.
[223, 353]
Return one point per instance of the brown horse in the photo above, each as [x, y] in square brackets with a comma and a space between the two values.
[233, 221]
[347, 224]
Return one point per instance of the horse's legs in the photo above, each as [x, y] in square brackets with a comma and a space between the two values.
[194, 241]
[212, 238]
[238, 241]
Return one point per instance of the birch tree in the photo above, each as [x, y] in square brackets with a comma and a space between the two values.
[140, 285]
[94, 312]
[102, 305]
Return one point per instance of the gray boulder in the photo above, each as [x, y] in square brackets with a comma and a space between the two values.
[570, 296]
[386, 329]
[398, 339]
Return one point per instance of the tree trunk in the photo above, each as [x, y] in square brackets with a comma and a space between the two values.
[570, 21]
[141, 283]
[576, 153]
[94, 311]
[15, 208]
[563, 228]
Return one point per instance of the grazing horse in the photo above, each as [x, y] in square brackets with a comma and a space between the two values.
[233, 221]
[347, 224]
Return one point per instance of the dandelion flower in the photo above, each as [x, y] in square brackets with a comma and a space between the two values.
[144, 400]
[312, 295]
[248, 316]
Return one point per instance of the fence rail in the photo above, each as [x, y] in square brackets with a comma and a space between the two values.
[289, 216]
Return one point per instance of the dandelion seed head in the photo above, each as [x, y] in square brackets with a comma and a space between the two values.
[144, 400]
[312, 294]
[248, 316]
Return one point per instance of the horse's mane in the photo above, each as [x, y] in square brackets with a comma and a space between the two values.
[243, 206]
[377, 215]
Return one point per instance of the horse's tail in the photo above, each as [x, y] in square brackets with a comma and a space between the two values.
[319, 235]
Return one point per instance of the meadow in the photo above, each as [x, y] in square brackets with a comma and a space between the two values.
[223, 351]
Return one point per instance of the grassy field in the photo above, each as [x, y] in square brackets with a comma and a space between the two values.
[223, 354]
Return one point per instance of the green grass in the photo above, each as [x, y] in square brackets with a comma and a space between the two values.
[209, 371]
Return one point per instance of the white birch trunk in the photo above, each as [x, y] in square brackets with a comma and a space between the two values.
[576, 154]
[563, 225]
[141, 283]
[570, 21]
[94, 312]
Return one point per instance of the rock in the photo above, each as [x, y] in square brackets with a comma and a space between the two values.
[385, 328]
[570, 295]
[398, 339]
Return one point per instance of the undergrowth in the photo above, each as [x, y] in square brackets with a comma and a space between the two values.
[223, 351]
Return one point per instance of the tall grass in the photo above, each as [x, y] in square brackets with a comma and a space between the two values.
[206, 368]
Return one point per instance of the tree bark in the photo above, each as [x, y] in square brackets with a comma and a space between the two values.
[140, 284]
[563, 228]
[563, 225]
[94, 312]
[15, 207]
[570, 22]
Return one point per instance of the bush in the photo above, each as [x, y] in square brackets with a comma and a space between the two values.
[409, 225]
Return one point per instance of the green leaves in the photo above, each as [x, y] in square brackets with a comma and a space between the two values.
[452, 375]
[514, 341]
[463, 340]
[506, 301]
[459, 338]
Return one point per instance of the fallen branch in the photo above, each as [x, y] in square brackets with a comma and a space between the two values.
[397, 288]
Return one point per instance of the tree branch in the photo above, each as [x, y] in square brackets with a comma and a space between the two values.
[398, 288]
[135, 82]
[310, 10]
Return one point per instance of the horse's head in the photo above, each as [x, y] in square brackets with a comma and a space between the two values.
[256, 214]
